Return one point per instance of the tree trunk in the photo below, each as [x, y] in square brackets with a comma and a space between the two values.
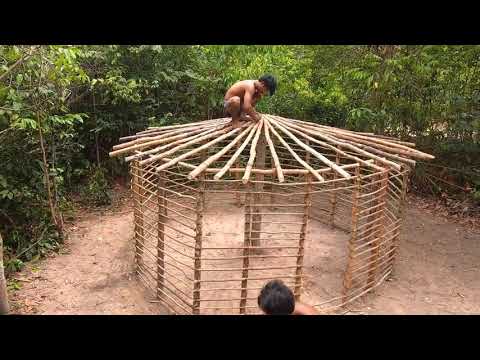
[4, 308]
[96, 129]
[55, 191]
[47, 177]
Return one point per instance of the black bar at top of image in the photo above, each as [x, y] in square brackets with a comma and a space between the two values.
[292, 24]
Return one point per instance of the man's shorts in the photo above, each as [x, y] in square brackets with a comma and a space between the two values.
[227, 110]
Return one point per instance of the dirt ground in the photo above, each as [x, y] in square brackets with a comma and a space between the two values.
[437, 271]
[91, 275]
[223, 235]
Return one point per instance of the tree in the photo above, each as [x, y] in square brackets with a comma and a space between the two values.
[4, 308]
[63, 107]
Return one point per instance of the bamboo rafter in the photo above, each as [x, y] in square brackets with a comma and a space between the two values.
[183, 174]
[170, 142]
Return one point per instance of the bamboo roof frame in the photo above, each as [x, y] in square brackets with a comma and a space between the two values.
[350, 180]
[167, 142]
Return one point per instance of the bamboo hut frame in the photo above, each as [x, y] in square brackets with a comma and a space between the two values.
[283, 172]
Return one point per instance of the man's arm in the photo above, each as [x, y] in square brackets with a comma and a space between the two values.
[303, 309]
[248, 107]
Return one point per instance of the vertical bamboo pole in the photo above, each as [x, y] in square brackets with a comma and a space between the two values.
[164, 174]
[373, 228]
[373, 268]
[160, 235]
[198, 243]
[247, 245]
[303, 233]
[272, 165]
[401, 216]
[257, 198]
[238, 177]
[138, 193]
[333, 195]
[347, 281]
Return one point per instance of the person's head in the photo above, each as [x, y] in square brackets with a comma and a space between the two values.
[267, 83]
[276, 299]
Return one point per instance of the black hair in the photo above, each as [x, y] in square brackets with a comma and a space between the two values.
[276, 299]
[270, 82]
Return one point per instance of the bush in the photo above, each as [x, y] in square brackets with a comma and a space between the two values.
[96, 191]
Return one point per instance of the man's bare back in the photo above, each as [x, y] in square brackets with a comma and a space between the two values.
[242, 97]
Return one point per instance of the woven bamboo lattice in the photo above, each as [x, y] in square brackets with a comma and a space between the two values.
[219, 211]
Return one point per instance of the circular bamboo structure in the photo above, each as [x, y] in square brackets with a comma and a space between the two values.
[220, 211]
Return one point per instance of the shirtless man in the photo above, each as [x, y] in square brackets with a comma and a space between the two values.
[241, 98]
[277, 299]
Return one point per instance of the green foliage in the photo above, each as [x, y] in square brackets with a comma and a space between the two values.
[83, 98]
[13, 284]
[13, 265]
[33, 98]
[96, 191]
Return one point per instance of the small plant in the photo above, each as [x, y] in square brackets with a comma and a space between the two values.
[67, 208]
[96, 191]
[13, 265]
[14, 285]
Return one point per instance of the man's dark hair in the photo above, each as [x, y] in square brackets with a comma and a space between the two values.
[276, 299]
[270, 82]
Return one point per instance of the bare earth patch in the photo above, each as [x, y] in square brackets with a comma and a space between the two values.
[93, 274]
[436, 271]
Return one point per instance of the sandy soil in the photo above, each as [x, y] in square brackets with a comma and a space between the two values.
[436, 272]
[93, 274]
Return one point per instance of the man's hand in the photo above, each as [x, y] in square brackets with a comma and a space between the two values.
[248, 108]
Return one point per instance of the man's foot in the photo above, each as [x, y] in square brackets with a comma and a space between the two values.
[235, 124]
[245, 118]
